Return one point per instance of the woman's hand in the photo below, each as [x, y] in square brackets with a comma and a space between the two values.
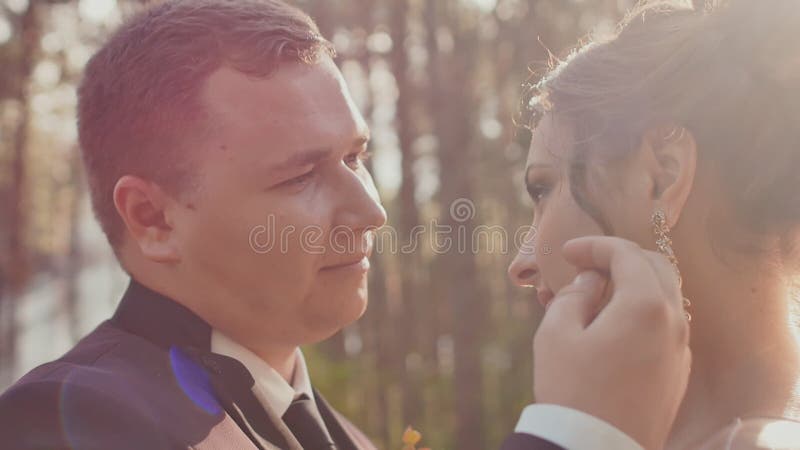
[622, 356]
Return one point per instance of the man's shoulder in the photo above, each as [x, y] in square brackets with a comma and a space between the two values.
[54, 414]
[105, 357]
[90, 395]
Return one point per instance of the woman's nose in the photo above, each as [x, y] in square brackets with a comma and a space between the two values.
[523, 271]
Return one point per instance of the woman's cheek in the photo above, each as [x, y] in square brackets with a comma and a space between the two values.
[567, 221]
[550, 238]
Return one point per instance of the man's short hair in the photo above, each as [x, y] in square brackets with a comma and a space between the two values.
[139, 106]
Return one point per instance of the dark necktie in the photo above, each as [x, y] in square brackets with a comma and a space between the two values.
[307, 426]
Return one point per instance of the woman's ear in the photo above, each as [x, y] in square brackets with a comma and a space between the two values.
[673, 162]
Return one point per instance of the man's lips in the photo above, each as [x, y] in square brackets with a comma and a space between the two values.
[360, 264]
[358, 260]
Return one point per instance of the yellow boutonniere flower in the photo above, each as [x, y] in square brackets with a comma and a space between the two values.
[411, 438]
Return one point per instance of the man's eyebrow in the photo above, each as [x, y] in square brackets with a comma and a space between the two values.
[303, 158]
[362, 140]
[312, 156]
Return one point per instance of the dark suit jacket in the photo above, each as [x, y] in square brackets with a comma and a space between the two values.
[520, 441]
[146, 379]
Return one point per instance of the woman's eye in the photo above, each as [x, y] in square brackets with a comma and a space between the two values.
[538, 191]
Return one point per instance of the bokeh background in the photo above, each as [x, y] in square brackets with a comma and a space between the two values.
[445, 345]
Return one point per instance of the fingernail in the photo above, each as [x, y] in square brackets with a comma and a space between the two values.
[573, 241]
[587, 278]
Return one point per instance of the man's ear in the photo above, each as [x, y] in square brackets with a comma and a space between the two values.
[144, 207]
[673, 163]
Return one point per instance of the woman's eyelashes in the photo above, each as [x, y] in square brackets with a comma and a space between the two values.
[538, 189]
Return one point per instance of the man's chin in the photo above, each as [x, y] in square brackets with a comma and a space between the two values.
[355, 309]
[349, 311]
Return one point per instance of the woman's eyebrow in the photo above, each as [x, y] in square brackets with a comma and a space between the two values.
[537, 166]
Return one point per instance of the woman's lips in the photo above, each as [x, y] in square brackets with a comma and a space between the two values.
[545, 297]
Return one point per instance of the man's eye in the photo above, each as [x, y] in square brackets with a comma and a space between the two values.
[356, 160]
[299, 180]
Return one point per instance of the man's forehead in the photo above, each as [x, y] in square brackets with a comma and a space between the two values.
[299, 115]
[295, 91]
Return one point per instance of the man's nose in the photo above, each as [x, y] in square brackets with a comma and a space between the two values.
[361, 206]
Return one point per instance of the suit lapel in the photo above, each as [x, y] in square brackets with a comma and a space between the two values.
[235, 388]
[187, 338]
[343, 439]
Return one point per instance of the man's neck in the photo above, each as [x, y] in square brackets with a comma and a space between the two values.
[282, 358]
[283, 361]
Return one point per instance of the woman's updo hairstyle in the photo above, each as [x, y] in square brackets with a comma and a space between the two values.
[726, 71]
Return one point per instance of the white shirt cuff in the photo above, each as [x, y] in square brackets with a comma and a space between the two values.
[572, 429]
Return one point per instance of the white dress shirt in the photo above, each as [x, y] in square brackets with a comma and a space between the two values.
[572, 429]
[277, 391]
[568, 428]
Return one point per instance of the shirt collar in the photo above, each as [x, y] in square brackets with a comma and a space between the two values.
[278, 392]
[161, 320]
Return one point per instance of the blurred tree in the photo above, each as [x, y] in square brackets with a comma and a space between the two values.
[409, 217]
[15, 269]
[452, 106]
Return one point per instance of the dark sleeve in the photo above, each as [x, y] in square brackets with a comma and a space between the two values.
[56, 415]
[522, 441]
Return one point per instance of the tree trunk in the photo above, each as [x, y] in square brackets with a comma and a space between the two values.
[451, 104]
[16, 273]
[409, 217]
[72, 269]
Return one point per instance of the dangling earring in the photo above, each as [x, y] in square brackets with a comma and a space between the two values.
[664, 244]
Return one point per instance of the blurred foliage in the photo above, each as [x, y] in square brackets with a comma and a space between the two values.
[445, 344]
